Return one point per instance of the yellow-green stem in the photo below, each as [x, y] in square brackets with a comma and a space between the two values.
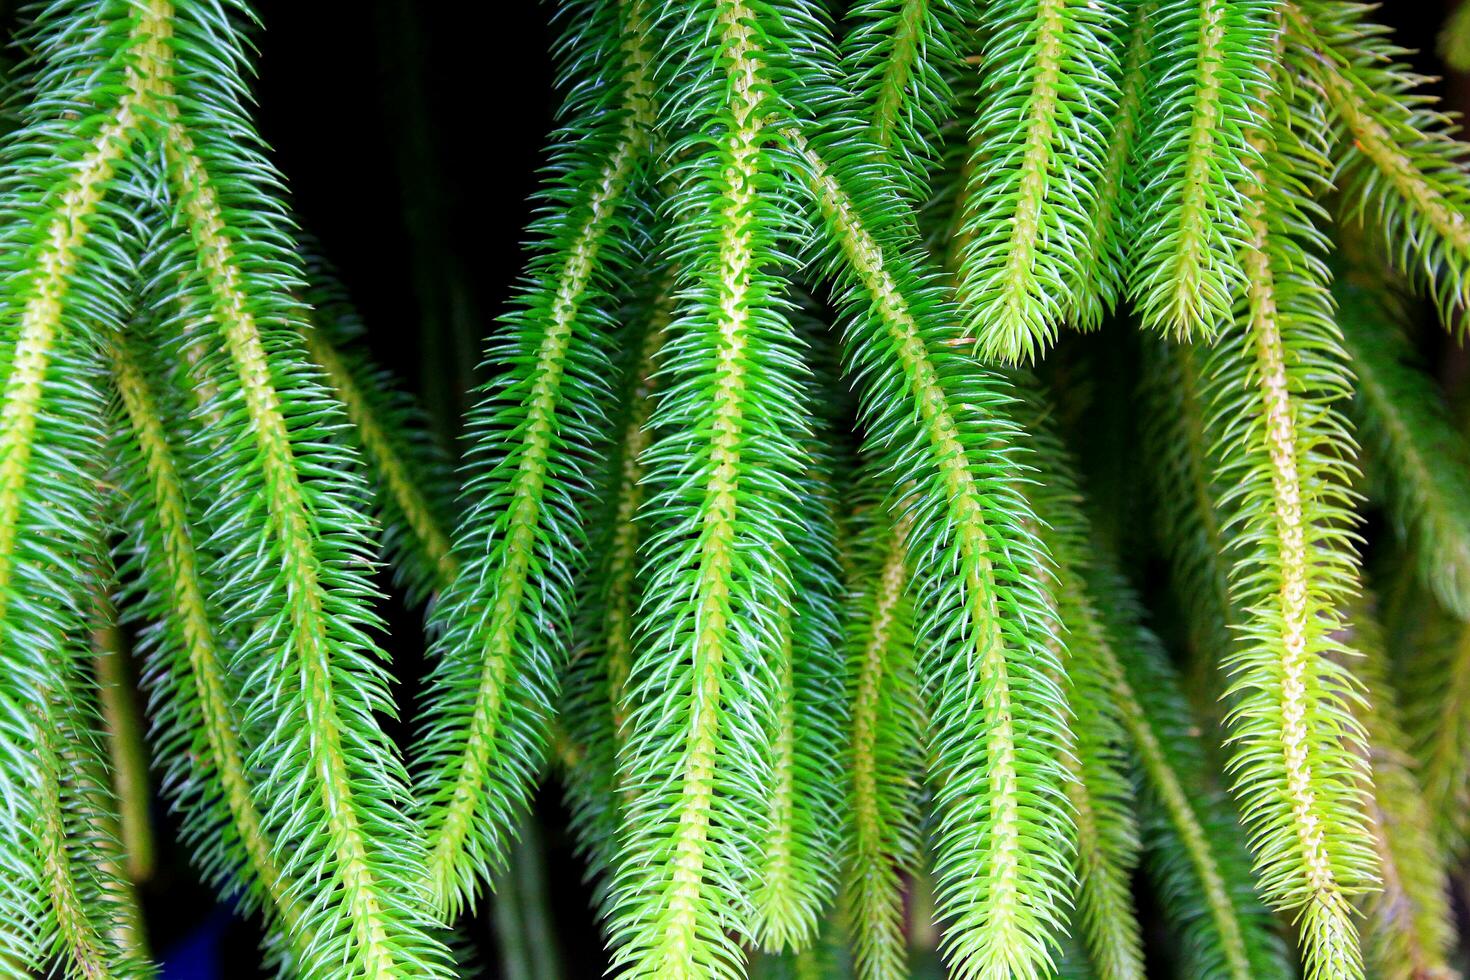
[897, 71]
[741, 148]
[292, 526]
[1295, 566]
[390, 468]
[129, 756]
[877, 911]
[454, 824]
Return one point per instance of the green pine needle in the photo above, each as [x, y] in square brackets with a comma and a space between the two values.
[883, 750]
[595, 708]
[1193, 845]
[1100, 789]
[1420, 458]
[937, 421]
[1400, 168]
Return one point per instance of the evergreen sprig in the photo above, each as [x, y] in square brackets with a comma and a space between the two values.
[1193, 845]
[501, 626]
[1207, 81]
[1285, 458]
[1047, 95]
[729, 452]
[1101, 792]
[1400, 168]
[1411, 924]
[595, 692]
[884, 758]
[937, 421]
[899, 58]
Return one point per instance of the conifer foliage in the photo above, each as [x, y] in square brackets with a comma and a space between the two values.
[777, 540]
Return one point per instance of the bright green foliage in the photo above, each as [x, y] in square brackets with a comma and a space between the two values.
[1405, 426]
[58, 299]
[1102, 801]
[813, 668]
[796, 871]
[326, 769]
[195, 724]
[535, 436]
[1207, 76]
[1280, 385]
[1192, 842]
[1411, 924]
[293, 503]
[897, 58]
[1046, 94]
[1401, 171]
[595, 707]
[1101, 793]
[725, 468]
[982, 644]
[190, 670]
[1106, 250]
[409, 472]
[884, 760]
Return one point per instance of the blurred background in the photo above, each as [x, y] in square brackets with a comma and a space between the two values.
[411, 135]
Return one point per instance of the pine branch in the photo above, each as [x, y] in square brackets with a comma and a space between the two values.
[536, 434]
[1191, 837]
[193, 691]
[595, 708]
[896, 61]
[1208, 72]
[1280, 379]
[1049, 88]
[935, 420]
[1099, 790]
[884, 755]
[59, 294]
[1105, 251]
[285, 515]
[1400, 168]
[725, 466]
